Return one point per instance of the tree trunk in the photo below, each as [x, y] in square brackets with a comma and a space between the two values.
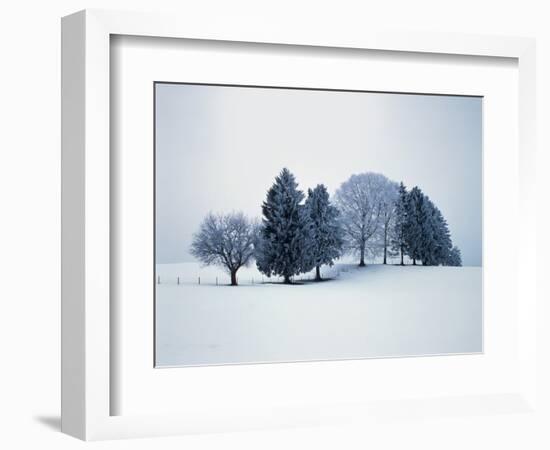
[402, 257]
[287, 279]
[234, 278]
[385, 245]
[317, 273]
[362, 260]
[414, 262]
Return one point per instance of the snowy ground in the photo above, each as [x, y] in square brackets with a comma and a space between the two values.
[362, 312]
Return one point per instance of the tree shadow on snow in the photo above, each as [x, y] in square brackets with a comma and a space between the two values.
[300, 282]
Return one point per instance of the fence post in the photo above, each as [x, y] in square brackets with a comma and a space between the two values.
[216, 281]
[199, 280]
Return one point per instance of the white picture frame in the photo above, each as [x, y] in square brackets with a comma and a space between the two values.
[86, 246]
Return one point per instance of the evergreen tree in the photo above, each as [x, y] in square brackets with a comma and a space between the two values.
[442, 239]
[414, 227]
[285, 243]
[397, 234]
[326, 230]
[427, 234]
[454, 258]
[428, 237]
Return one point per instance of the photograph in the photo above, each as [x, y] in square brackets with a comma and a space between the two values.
[301, 224]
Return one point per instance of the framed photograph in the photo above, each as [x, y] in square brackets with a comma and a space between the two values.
[252, 267]
[256, 223]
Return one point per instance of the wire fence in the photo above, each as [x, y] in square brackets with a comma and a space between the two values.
[244, 279]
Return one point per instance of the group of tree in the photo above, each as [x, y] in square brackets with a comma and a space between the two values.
[297, 236]
[420, 231]
[371, 216]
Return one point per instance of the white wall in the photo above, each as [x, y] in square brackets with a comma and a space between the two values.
[29, 225]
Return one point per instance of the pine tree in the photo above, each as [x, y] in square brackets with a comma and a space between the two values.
[426, 232]
[397, 233]
[428, 237]
[285, 243]
[414, 227]
[442, 238]
[454, 258]
[326, 230]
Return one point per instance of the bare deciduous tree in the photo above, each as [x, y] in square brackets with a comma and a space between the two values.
[359, 200]
[226, 240]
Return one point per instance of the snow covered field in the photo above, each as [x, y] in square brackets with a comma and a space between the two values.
[375, 311]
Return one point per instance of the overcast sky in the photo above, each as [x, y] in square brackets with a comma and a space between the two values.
[219, 148]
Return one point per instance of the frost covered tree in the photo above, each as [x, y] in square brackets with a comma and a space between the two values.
[397, 234]
[359, 200]
[285, 240]
[454, 258]
[326, 233]
[441, 244]
[415, 227]
[388, 198]
[226, 241]
[426, 232]
[429, 229]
